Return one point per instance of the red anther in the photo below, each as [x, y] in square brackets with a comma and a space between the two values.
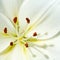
[28, 20]
[34, 34]
[26, 44]
[15, 19]
[5, 30]
[11, 43]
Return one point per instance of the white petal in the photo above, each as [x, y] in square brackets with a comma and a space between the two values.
[52, 19]
[55, 51]
[11, 7]
[31, 8]
[0, 6]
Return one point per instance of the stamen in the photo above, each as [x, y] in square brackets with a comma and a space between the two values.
[15, 19]
[34, 34]
[28, 20]
[5, 30]
[11, 43]
[26, 45]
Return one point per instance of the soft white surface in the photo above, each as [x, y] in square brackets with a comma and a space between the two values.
[31, 9]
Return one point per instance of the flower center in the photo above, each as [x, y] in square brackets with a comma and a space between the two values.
[21, 38]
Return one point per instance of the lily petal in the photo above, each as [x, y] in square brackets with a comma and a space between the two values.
[29, 11]
[11, 7]
[45, 15]
[55, 51]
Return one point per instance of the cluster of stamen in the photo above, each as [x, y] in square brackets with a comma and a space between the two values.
[26, 44]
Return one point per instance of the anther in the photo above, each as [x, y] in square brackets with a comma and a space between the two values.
[26, 45]
[34, 34]
[28, 20]
[11, 43]
[15, 19]
[5, 30]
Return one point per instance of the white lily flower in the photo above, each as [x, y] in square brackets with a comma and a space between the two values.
[28, 28]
